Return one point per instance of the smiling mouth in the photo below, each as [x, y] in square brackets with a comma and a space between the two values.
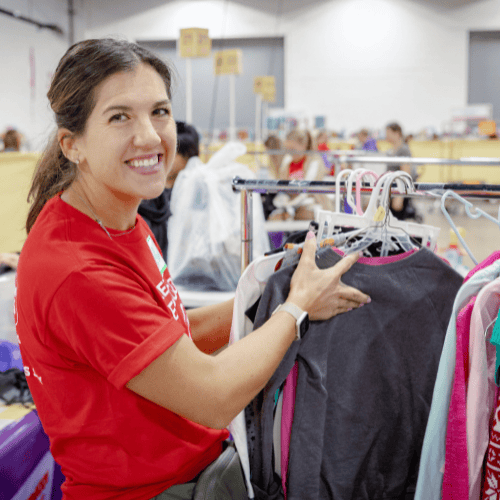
[145, 164]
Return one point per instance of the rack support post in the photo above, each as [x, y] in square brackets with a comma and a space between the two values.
[246, 228]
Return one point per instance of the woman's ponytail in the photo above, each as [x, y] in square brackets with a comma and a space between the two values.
[53, 173]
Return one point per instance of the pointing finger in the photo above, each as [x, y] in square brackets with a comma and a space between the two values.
[346, 263]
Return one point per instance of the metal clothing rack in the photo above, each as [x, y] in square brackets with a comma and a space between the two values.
[423, 191]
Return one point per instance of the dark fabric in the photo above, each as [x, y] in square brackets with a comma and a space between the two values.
[365, 384]
[156, 213]
[223, 479]
[14, 388]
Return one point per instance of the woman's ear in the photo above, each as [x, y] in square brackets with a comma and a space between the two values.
[68, 145]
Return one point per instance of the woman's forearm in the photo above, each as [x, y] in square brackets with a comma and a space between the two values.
[211, 325]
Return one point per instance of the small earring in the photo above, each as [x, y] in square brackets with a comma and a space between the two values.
[77, 161]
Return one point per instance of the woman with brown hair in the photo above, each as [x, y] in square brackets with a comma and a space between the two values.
[133, 404]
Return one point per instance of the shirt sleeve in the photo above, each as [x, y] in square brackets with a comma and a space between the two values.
[110, 321]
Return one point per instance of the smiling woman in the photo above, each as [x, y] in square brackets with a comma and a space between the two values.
[133, 404]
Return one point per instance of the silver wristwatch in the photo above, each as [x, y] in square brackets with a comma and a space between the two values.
[301, 318]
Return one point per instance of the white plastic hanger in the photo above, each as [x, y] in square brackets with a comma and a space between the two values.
[473, 215]
[378, 215]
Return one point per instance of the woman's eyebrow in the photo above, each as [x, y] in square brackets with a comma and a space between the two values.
[120, 107]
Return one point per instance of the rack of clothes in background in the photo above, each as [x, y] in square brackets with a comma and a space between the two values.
[397, 399]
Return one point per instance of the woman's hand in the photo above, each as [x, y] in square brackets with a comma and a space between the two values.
[321, 292]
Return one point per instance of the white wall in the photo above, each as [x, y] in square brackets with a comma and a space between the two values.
[359, 62]
[22, 105]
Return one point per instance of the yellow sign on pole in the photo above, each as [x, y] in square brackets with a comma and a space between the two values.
[269, 96]
[228, 62]
[264, 84]
[194, 42]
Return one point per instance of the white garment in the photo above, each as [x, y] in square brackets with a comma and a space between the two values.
[250, 287]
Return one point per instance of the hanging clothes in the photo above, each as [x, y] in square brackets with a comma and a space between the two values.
[365, 382]
[432, 461]
[456, 472]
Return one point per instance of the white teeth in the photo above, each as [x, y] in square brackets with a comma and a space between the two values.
[144, 163]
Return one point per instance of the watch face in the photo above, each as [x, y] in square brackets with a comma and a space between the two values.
[304, 325]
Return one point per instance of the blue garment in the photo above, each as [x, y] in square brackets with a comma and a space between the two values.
[430, 474]
[495, 340]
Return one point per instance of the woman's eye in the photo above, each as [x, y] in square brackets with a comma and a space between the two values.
[161, 112]
[120, 117]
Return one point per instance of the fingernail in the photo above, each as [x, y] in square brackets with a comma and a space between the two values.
[349, 309]
[309, 235]
[369, 300]
[361, 305]
[360, 254]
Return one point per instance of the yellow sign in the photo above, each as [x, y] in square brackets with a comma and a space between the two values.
[264, 85]
[269, 96]
[228, 62]
[194, 42]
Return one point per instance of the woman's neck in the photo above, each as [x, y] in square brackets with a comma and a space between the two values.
[119, 216]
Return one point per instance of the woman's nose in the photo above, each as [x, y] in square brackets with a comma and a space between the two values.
[145, 134]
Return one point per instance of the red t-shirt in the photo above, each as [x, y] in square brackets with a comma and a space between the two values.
[296, 169]
[91, 314]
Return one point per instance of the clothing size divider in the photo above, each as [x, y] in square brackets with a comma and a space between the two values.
[429, 191]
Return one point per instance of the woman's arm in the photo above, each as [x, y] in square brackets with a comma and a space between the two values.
[212, 390]
[211, 326]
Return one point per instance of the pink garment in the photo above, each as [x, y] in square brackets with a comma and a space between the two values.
[456, 467]
[487, 262]
[289, 391]
[380, 261]
[482, 388]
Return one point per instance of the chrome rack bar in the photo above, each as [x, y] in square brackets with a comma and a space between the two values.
[424, 190]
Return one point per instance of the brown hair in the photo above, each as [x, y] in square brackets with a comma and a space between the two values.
[11, 140]
[302, 137]
[72, 97]
[395, 127]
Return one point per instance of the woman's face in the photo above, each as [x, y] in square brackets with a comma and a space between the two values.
[130, 138]
[295, 146]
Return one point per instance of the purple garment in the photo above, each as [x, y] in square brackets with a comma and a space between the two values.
[289, 391]
[370, 145]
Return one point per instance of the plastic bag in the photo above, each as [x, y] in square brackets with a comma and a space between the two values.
[204, 231]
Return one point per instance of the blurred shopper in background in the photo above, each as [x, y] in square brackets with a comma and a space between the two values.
[402, 208]
[11, 141]
[367, 143]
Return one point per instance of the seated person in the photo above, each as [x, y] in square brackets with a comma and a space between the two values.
[402, 208]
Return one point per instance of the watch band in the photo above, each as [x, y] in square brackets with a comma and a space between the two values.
[301, 317]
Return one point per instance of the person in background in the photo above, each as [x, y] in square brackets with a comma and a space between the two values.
[126, 388]
[367, 142]
[273, 143]
[11, 141]
[8, 262]
[322, 141]
[156, 212]
[402, 208]
[297, 164]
